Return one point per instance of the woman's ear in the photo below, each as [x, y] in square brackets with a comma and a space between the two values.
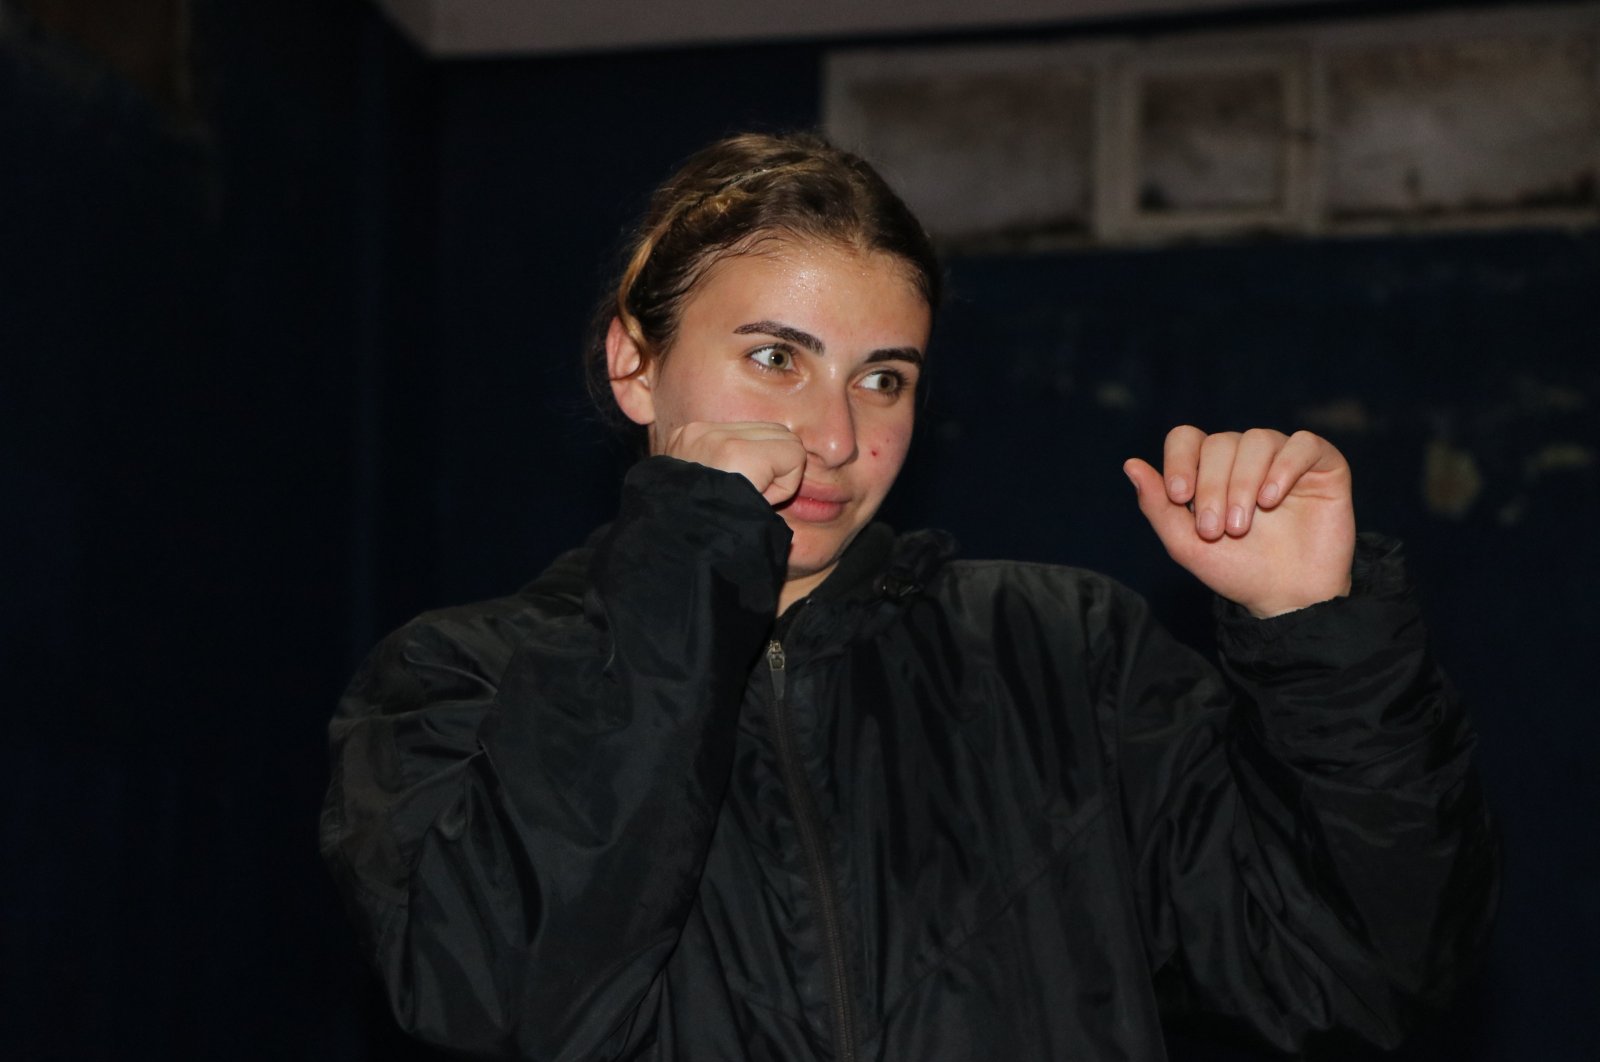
[630, 375]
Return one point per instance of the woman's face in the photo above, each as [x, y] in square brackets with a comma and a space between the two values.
[822, 339]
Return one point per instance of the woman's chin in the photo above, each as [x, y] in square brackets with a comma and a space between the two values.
[814, 552]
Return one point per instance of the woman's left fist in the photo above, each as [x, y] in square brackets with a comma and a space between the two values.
[1262, 518]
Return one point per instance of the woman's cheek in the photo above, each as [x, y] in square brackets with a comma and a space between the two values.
[887, 450]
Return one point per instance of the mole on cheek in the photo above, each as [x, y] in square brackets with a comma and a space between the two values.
[874, 453]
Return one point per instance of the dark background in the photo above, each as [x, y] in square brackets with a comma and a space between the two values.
[288, 354]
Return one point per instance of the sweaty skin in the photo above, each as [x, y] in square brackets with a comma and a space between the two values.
[795, 364]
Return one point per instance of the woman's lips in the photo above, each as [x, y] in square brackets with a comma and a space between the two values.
[814, 506]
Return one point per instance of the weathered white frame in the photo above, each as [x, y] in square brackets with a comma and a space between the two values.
[1302, 54]
[1119, 216]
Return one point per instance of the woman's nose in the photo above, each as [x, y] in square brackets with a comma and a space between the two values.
[826, 427]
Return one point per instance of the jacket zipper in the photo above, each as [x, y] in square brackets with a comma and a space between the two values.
[806, 817]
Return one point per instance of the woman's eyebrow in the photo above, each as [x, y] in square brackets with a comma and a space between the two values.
[815, 345]
[911, 354]
[784, 332]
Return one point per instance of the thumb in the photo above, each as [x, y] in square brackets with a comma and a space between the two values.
[788, 473]
[1169, 519]
[784, 486]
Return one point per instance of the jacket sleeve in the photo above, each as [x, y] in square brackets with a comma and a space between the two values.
[1313, 855]
[522, 794]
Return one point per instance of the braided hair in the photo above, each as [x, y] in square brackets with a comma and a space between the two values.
[724, 200]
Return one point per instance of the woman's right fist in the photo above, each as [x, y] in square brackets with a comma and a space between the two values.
[769, 455]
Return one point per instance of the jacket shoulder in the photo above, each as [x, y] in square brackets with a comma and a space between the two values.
[468, 645]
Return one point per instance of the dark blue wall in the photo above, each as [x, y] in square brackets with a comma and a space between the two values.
[1488, 342]
[272, 384]
[180, 306]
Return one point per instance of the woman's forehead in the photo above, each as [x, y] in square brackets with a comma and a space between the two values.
[830, 300]
[776, 260]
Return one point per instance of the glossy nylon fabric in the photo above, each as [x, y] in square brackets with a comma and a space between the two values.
[563, 830]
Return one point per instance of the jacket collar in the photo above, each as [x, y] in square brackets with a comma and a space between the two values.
[878, 569]
[879, 566]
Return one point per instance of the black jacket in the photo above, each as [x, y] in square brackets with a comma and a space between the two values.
[941, 810]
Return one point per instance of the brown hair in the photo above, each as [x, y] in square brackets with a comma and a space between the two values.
[724, 199]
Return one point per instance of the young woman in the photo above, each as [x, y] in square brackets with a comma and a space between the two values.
[749, 776]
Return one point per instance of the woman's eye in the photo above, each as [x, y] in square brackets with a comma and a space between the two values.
[884, 381]
[775, 358]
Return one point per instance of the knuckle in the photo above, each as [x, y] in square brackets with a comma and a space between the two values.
[1183, 433]
[1219, 445]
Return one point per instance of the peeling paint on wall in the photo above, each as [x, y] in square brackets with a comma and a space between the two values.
[1559, 457]
[1565, 460]
[1348, 415]
[1212, 140]
[1495, 123]
[981, 151]
[1538, 396]
[1451, 481]
[1114, 395]
[1432, 122]
[1519, 454]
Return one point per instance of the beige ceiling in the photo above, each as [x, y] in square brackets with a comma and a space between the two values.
[483, 28]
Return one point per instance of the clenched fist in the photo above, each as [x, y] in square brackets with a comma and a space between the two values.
[769, 455]
[1262, 518]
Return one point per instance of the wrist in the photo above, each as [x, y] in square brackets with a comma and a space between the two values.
[1282, 606]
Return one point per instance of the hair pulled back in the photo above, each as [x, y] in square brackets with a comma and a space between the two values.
[725, 199]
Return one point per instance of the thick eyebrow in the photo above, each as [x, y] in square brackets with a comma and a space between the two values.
[784, 332]
[911, 354]
[815, 345]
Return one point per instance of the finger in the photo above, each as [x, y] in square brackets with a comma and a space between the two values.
[1146, 480]
[689, 441]
[767, 454]
[775, 466]
[1156, 503]
[1211, 484]
[1302, 452]
[749, 431]
[1180, 458]
[714, 443]
[753, 427]
[788, 468]
[1257, 447]
[1170, 520]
